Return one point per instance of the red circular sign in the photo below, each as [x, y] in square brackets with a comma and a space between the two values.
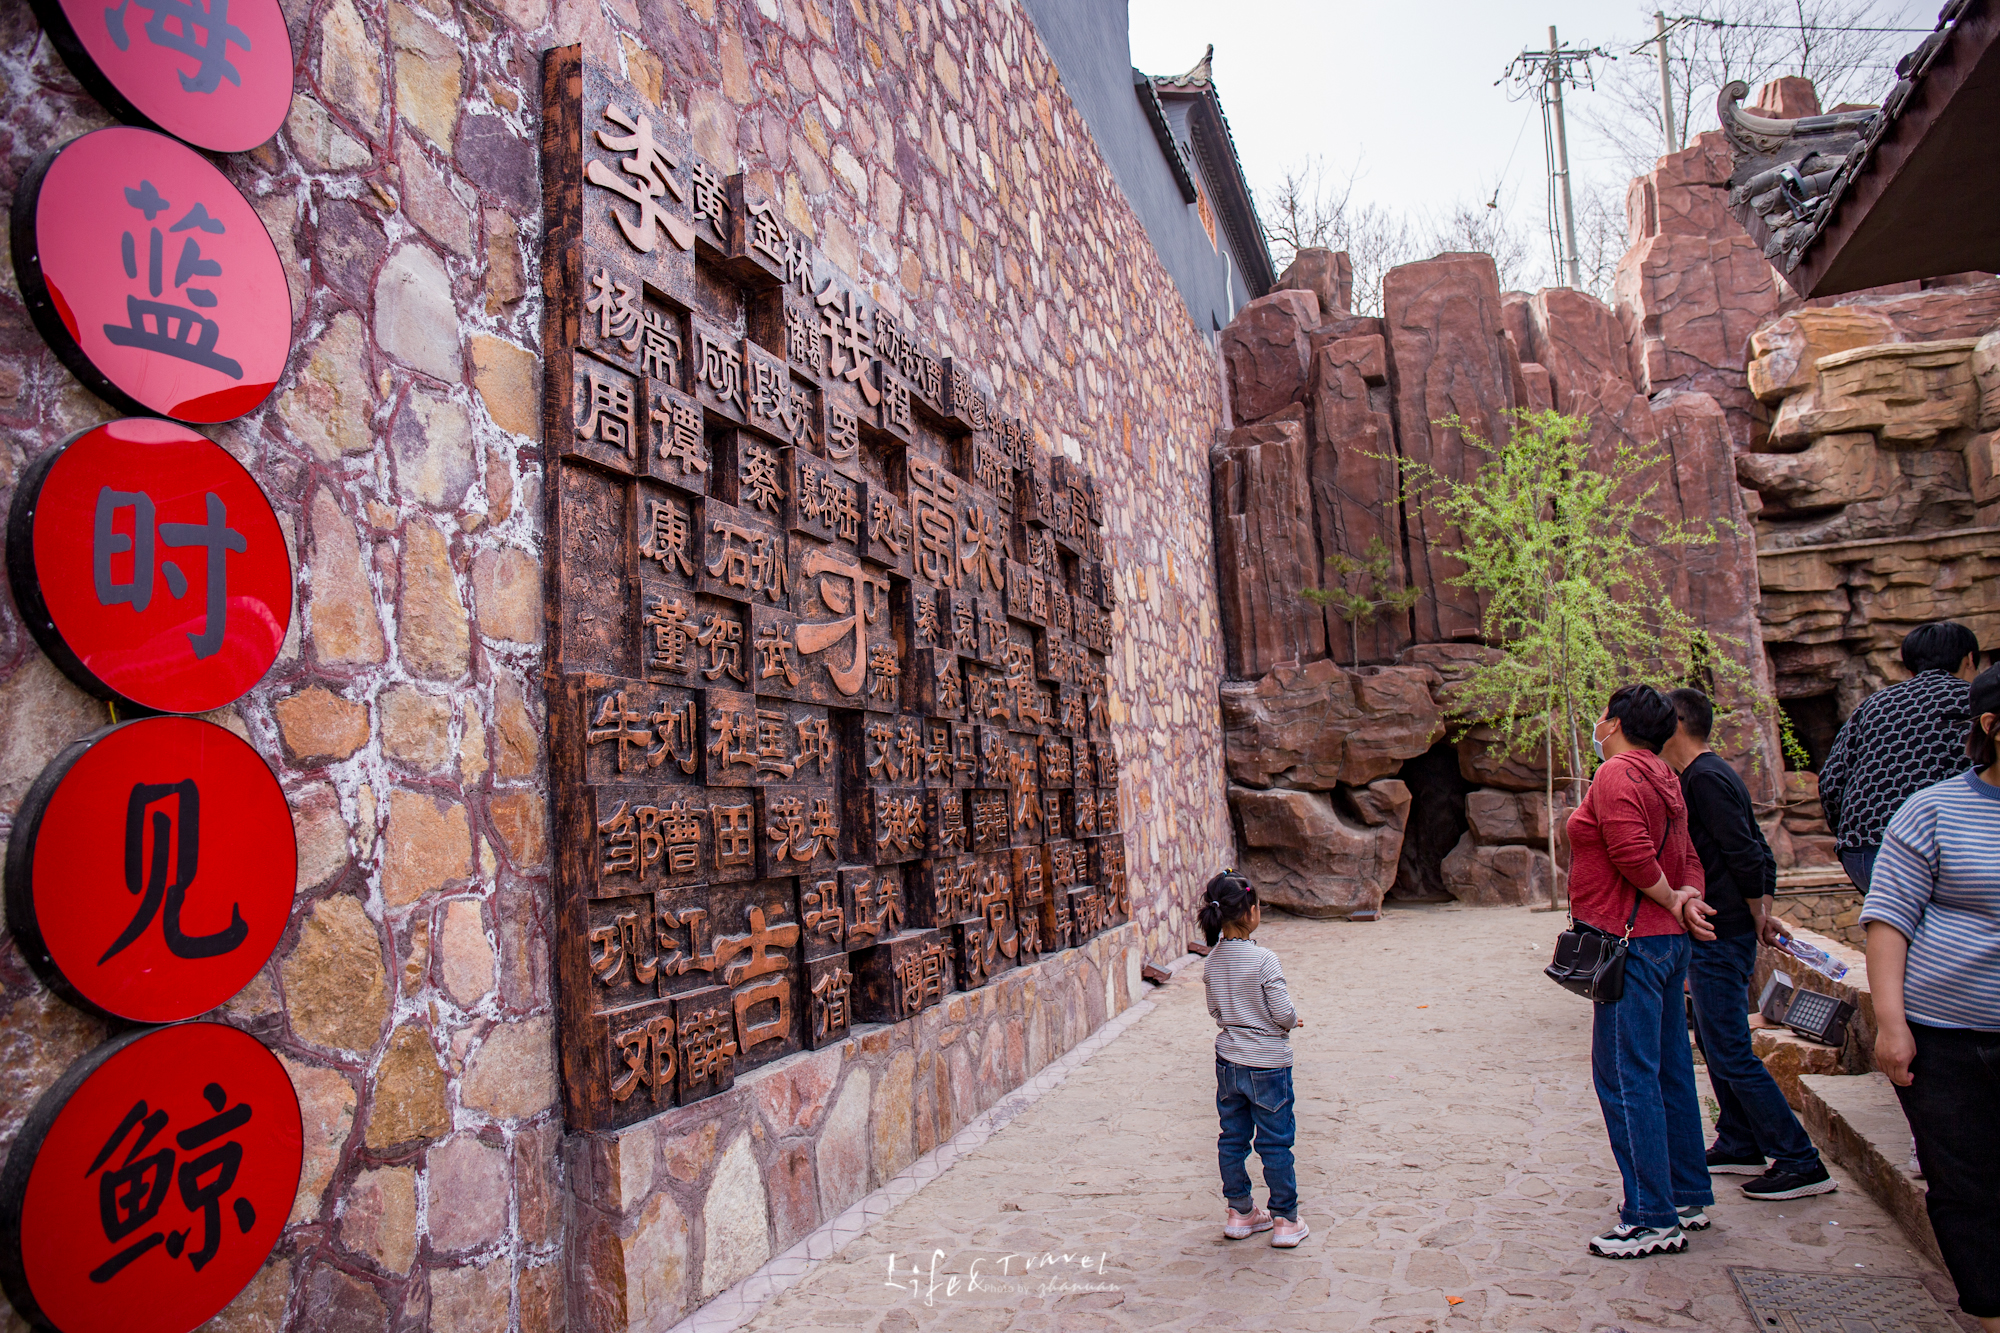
[149, 566]
[151, 869]
[148, 1186]
[151, 276]
[217, 73]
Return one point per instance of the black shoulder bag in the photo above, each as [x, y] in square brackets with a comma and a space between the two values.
[1590, 961]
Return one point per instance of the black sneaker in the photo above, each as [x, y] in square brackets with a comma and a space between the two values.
[1723, 1164]
[1693, 1218]
[1778, 1183]
[1630, 1242]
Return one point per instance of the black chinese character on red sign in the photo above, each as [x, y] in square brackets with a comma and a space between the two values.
[129, 1195]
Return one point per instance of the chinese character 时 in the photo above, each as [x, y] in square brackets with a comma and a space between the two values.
[616, 306]
[215, 536]
[203, 32]
[650, 170]
[154, 325]
[176, 839]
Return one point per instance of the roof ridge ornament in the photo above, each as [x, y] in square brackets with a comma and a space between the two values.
[1745, 130]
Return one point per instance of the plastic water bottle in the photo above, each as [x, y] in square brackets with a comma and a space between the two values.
[1817, 959]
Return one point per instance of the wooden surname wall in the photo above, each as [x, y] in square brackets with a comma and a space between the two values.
[827, 713]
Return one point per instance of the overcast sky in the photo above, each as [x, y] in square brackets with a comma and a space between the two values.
[1403, 89]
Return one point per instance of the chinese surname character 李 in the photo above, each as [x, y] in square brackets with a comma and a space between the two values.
[649, 168]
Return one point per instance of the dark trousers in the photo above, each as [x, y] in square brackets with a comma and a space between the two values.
[1256, 1103]
[1859, 863]
[1645, 1084]
[1755, 1118]
[1953, 1105]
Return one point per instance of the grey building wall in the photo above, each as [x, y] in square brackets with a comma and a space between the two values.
[1091, 43]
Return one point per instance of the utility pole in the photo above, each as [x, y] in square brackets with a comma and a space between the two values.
[1562, 157]
[1666, 85]
[1543, 73]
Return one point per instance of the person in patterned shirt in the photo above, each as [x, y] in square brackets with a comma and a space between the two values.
[1898, 742]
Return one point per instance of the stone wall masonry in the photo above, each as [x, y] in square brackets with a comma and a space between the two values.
[410, 996]
[674, 1210]
[932, 150]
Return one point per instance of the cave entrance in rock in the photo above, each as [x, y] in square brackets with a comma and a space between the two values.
[1815, 721]
[1437, 821]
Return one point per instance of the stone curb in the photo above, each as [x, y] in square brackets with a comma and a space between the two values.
[738, 1305]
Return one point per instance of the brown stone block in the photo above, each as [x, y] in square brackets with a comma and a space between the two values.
[408, 1099]
[319, 726]
[1496, 875]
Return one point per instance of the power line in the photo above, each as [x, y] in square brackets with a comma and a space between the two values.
[1683, 20]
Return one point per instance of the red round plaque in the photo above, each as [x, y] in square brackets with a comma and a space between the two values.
[149, 566]
[148, 1186]
[217, 73]
[151, 276]
[151, 869]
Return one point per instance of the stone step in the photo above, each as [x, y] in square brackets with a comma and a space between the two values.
[1857, 1121]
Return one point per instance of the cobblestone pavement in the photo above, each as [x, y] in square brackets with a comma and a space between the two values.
[1449, 1148]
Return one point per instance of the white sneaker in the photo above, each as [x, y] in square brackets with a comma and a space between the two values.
[1693, 1218]
[1630, 1242]
[1237, 1225]
[1286, 1233]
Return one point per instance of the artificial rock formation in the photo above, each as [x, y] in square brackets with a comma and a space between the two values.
[1323, 854]
[1264, 549]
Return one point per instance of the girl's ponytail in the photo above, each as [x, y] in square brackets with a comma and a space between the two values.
[1228, 898]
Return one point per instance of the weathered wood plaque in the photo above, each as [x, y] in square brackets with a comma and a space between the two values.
[827, 723]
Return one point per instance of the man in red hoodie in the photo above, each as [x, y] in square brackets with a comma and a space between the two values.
[1634, 873]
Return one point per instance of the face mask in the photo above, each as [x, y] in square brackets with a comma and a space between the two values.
[1596, 745]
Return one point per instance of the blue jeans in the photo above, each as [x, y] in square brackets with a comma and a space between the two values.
[1859, 863]
[1755, 1119]
[1256, 1101]
[1645, 1084]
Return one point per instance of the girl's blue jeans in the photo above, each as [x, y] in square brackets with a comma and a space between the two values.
[1256, 1104]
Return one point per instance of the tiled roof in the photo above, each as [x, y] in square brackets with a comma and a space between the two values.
[1790, 174]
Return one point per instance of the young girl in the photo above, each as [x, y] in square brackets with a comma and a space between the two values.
[1253, 1063]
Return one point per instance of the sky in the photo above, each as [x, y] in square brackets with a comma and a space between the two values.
[1402, 91]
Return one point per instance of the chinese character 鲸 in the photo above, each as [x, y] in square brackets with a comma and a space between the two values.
[204, 32]
[161, 326]
[215, 536]
[650, 168]
[129, 1195]
[176, 840]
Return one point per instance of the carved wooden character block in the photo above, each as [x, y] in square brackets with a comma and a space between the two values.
[623, 948]
[591, 540]
[902, 977]
[799, 829]
[757, 953]
[822, 915]
[950, 754]
[641, 838]
[715, 358]
[608, 418]
[1031, 896]
[942, 890]
[829, 987]
[763, 741]
[775, 668]
[889, 824]
[1110, 819]
[776, 404]
[993, 899]
[947, 825]
[1083, 812]
[635, 1060]
[1107, 871]
[666, 536]
[632, 730]
[679, 453]
[732, 816]
[875, 904]
[743, 558]
[705, 1039]
[1086, 909]
[844, 645]
[935, 497]
[822, 503]
[1064, 872]
[885, 750]
[990, 820]
[887, 538]
[753, 475]
[936, 683]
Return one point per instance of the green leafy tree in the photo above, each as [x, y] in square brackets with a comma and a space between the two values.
[1357, 593]
[1564, 546]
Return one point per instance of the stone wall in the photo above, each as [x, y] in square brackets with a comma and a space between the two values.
[931, 149]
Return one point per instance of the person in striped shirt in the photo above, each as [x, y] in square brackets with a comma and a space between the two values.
[1248, 1000]
[1933, 919]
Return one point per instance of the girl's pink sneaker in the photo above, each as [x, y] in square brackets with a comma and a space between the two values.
[1287, 1233]
[1239, 1225]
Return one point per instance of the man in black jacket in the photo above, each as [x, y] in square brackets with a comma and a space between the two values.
[1756, 1133]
